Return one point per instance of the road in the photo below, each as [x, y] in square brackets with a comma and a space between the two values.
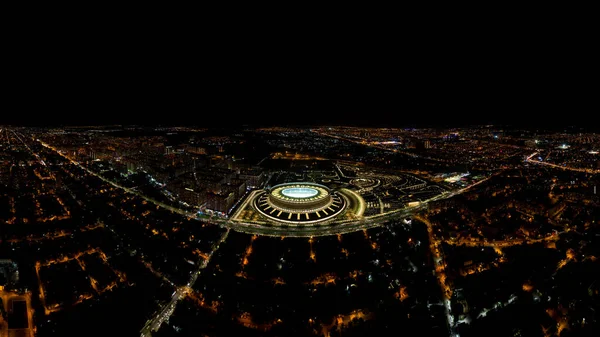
[340, 227]
[167, 310]
[439, 271]
[576, 169]
[126, 189]
[505, 243]
[377, 146]
[440, 265]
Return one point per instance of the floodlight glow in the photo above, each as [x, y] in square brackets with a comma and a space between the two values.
[299, 192]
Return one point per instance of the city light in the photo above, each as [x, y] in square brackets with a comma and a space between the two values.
[321, 231]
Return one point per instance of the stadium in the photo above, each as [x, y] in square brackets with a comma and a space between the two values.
[300, 203]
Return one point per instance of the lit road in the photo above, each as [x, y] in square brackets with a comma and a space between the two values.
[439, 271]
[342, 227]
[377, 146]
[440, 264]
[506, 243]
[338, 227]
[253, 228]
[126, 189]
[167, 310]
[576, 169]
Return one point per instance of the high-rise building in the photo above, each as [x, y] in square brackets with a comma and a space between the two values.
[254, 177]
[220, 202]
[237, 186]
[131, 166]
[195, 149]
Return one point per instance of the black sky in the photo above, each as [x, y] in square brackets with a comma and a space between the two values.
[505, 77]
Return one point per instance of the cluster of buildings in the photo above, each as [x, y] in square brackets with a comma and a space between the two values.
[198, 173]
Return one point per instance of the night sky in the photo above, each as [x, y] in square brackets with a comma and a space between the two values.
[518, 79]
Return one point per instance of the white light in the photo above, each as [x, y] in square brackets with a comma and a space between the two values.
[299, 192]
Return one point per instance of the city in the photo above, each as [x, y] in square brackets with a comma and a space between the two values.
[321, 230]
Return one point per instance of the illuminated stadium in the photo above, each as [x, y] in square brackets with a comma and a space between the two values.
[306, 205]
[300, 203]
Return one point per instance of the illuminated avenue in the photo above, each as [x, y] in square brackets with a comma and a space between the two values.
[289, 231]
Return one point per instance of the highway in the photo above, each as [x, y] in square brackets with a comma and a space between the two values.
[252, 228]
[339, 227]
[167, 310]
[576, 169]
[342, 227]
[126, 189]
